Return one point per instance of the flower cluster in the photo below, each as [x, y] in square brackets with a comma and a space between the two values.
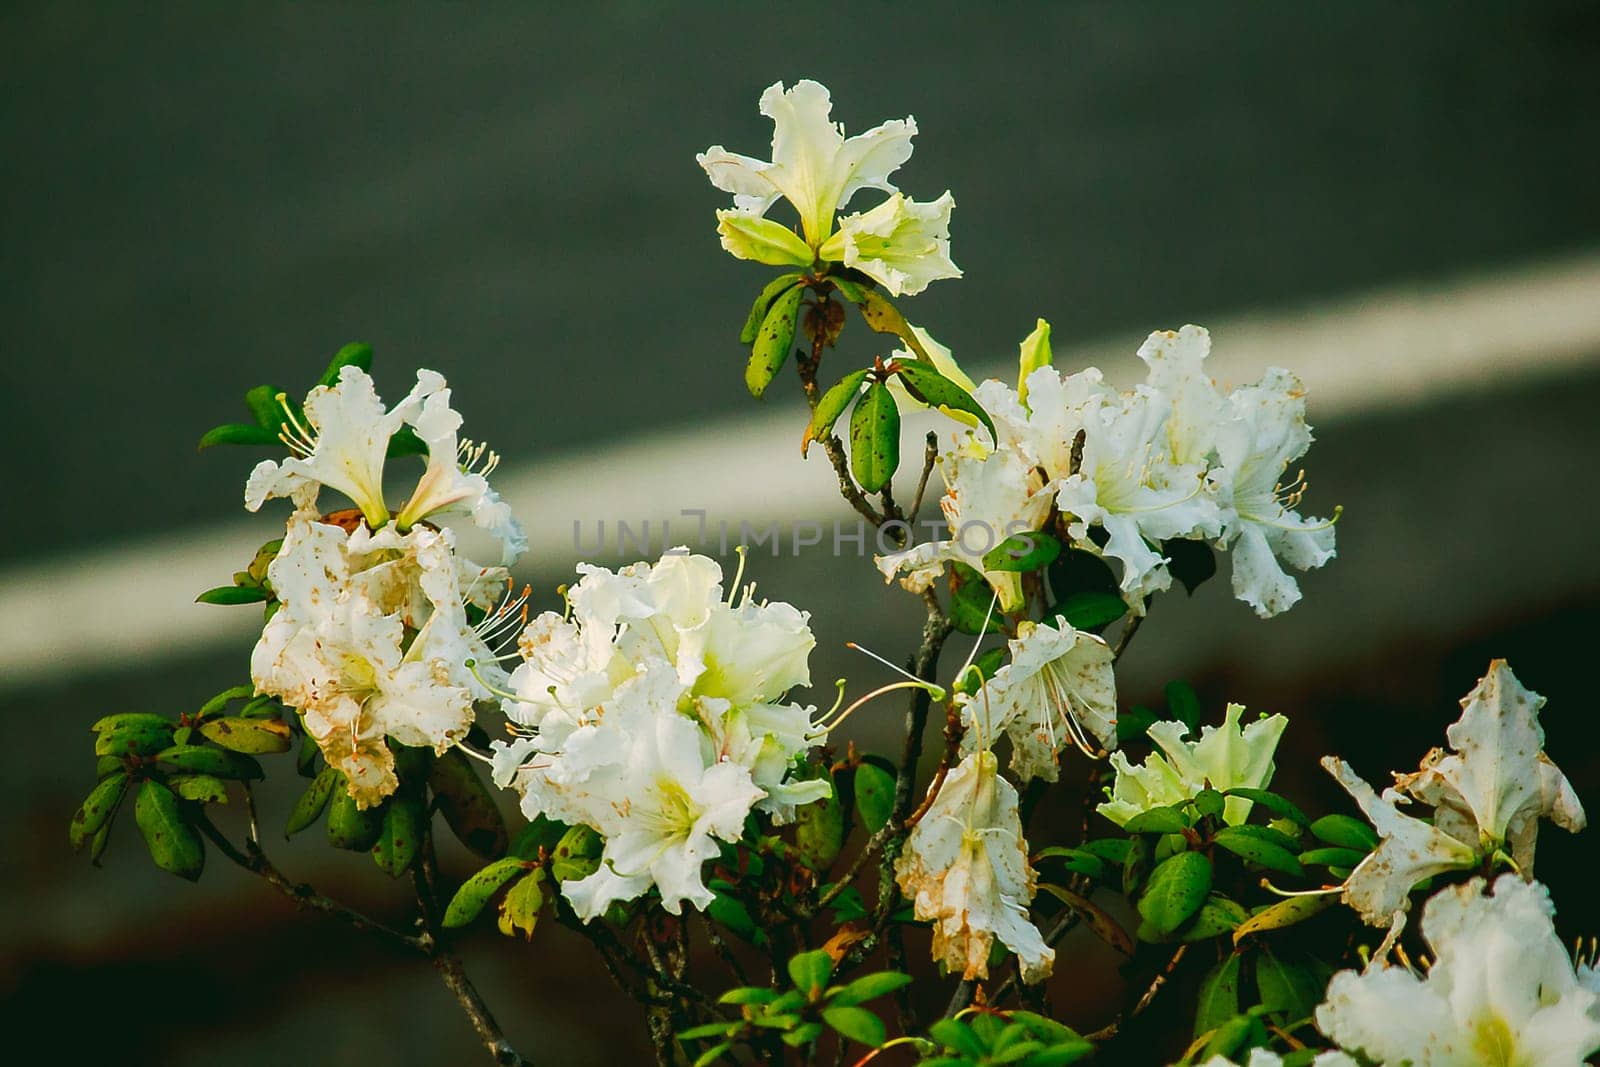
[902, 244]
[1174, 458]
[372, 635]
[653, 712]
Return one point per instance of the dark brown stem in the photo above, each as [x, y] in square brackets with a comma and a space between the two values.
[1114, 1027]
[930, 457]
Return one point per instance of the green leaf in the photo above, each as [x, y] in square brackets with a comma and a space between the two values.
[1022, 552]
[870, 987]
[132, 734]
[716, 1029]
[857, 1024]
[1178, 887]
[1136, 864]
[576, 855]
[809, 971]
[1191, 562]
[748, 994]
[200, 788]
[956, 1035]
[878, 313]
[819, 832]
[199, 759]
[354, 354]
[249, 735]
[541, 833]
[228, 595]
[1183, 704]
[405, 820]
[803, 1034]
[1343, 831]
[712, 1054]
[97, 809]
[1217, 916]
[1347, 858]
[758, 310]
[467, 805]
[172, 842]
[238, 433]
[224, 698]
[405, 442]
[1286, 987]
[830, 407]
[350, 827]
[1288, 912]
[927, 385]
[1252, 843]
[476, 891]
[1096, 918]
[971, 602]
[1272, 802]
[1135, 723]
[1168, 820]
[1091, 610]
[264, 406]
[1080, 571]
[1209, 803]
[875, 438]
[1114, 850]
[731, 912]
[874, 795]
[313, 801]
[1218, 1000]
[1077, 861]
[773, 341]
[519, 909]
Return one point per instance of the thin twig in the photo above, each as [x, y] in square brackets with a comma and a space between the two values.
[1114, 1027]
[930, 457]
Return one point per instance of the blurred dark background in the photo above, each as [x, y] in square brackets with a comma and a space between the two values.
[200, 197]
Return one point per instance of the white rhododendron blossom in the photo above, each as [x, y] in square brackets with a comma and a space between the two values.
[646, 645]
[1224, 757]
[1501, 989]
[1487, 794]
[901, 243]
[1171, 459]
[991, 495]
[371, 641]
[965, 868]
[1264, 431]
[1057, 690]
[343, 443]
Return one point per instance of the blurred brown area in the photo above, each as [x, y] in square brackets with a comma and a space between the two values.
[198, 197]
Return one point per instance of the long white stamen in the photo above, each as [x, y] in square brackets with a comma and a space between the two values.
[935, 691]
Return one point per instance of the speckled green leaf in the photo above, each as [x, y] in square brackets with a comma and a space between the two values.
[173, 843]
[875, 438]
[97, 809]
[773, 341]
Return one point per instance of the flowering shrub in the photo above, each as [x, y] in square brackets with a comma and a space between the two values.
[762, 889]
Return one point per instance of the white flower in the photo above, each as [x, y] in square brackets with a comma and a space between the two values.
[965, 868]
[901, 244]
[1408, 851]
[648, 645]
[456, 479]
[371, 641]
[342, 444]
[991, 495]
[1129, 486]
[1225, 757]
[1501, 990]
[673, 808]
[1176, 363]
[1057, 690]
[1265, 430]
[1488, 794]
[1497, 783]
[813, 166]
